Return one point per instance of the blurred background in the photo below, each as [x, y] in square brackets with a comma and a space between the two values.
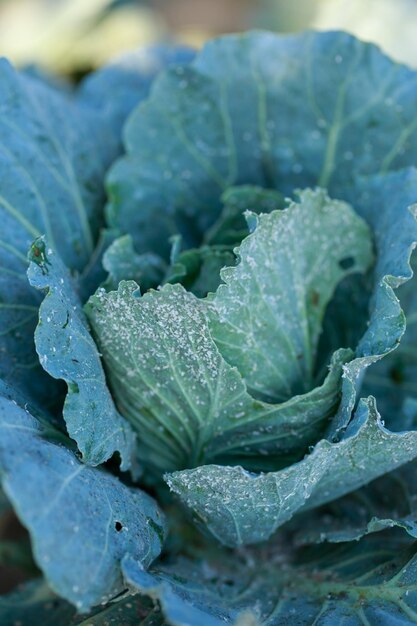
[72, 37]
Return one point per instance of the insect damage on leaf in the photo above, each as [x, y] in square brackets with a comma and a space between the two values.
[38, 254]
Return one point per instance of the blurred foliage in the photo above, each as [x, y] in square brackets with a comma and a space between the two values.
[71, 37]
[284, 16]
[390, 23]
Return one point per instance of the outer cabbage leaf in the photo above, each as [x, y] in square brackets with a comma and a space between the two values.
[355, 584]
[116, 89]
[388, 502]
[67, 351]
[53, 157]
[269, 313]
[394, 379]
[387, 204]
[51, 424]
[240, 508]
[49, 78]
[186, 402]
[35, 603]
[282, 112]
[187, 595]
[82, 521]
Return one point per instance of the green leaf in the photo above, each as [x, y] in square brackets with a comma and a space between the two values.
[388, 502]
[184, 400]
[17, 554]
[356, 584]
[269, 313]
[394, 379]
[231, 226]
[35, 603]
[199, 269]
[318, 109]
[116, 89]
[387, 203]
[94, 273]
[186, 593]
[240, 508]
[123, 263]
[82, 520]
[296, 127]
[53, 157]
[67, 351]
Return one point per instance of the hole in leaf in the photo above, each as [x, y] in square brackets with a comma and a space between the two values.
[118, 526]
[66, 321]
[347, 262]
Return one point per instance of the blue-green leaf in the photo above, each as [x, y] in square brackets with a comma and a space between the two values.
[53, 157]
[387, 203]
[185, 594]
[269, 313]
[240, 508]
[388, 502]
[116, 89]
[35, 603]
[231, 226]
[67, 351]
[94, 273]
[357, 584]
[187, 404]
[198, 269]
[296, 126]
[394, 379]
[123, 263]
[82, 520]
[282, 112]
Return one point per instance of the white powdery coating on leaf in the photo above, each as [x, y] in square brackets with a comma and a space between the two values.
[240, 508]
[185, 401]
[272, 305]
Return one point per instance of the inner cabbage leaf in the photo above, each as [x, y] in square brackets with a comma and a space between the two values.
[269, 313]
[188, 398]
